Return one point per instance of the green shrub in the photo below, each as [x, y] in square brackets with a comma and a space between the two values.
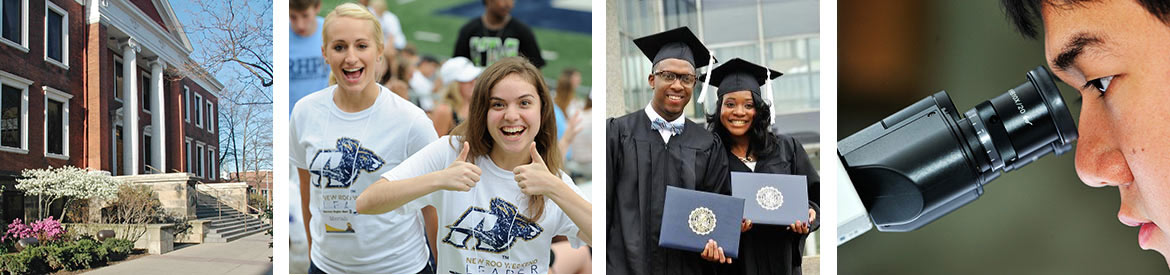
[77, 255]
[118, 249]
[35, 259]
[15, 263]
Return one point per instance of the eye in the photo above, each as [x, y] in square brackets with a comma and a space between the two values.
[497, 105]
[1102, 84]
[750, 106]
[525, 103]
[338, 47]
[729, 104]
[363, 46]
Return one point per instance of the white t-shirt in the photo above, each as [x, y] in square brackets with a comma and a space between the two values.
[345, 153]
[422, 87]
[391, 27]
[487, 229]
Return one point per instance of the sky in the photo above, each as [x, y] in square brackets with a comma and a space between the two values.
[187, 12]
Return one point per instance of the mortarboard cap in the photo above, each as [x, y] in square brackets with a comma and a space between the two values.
[679, 43]
[740, 75]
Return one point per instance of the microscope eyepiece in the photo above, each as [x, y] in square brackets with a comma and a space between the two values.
[926, 160]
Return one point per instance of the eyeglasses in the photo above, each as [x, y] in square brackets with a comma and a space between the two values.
[687, 79]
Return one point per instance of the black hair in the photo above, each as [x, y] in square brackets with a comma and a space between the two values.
[428, 58]
[1025, 14]
[761, 141]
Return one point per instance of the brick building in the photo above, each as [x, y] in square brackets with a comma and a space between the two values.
[259, 182]
[75, 73]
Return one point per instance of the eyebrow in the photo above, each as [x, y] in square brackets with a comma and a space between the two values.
[1073, 49]
[521, 97]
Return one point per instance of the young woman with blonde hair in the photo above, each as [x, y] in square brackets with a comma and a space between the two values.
[340, 141]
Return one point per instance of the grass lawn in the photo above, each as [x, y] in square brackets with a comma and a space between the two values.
[573, 49]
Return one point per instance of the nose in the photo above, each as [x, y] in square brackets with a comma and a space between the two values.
[740, 110]
[512, 113]
[677, 85]
[1100, 160]
[351, 56]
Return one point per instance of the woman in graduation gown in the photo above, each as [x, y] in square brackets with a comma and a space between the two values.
[742, 122]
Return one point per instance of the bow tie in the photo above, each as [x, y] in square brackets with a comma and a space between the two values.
[660, 124]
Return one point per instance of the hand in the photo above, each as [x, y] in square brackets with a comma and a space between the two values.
[712, 252]
[460, 175]
[534, 178]
[799, 227]
[812, 215]
[745, 225]
[574, 125]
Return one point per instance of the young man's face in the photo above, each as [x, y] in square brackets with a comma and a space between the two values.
[671, 96]
[1125, 130]
[304, 22]
[499, 8]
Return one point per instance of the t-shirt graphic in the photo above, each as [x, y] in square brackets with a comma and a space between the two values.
[485, 46]
[335, 171]
[339, 168]
[495, 229]
[488, 49]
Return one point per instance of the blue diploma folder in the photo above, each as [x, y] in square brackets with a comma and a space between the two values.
[775, 199]
[690, 218]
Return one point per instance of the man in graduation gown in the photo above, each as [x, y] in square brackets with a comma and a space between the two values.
[650, 149]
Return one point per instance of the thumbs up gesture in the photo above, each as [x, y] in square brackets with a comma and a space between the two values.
[534, 178]
[460, 175]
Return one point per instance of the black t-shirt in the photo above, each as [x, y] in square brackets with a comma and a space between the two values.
[484, 46]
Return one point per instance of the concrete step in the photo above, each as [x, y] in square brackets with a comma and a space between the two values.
[236, 234]
[229, 226]
[210, 213]
[225, 224]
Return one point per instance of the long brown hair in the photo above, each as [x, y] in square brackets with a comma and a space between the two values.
[565, 90]
[475, 130]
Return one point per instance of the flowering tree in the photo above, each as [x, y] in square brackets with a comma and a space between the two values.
[66, 183]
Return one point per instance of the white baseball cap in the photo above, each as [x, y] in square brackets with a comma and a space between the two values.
[458, 69]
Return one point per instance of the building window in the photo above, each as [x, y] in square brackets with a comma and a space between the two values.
[186, 103]
[14, 24]
[120, 151]
[56, 123]
[198, 111]
[146, 151]
[145, 88]
[118, 84]
[210, 117]
[187, 147]
[199, 160]
[13, 113]
[211, 158]
[56, 35]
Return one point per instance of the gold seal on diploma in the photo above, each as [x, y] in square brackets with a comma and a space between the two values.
[702, 221]
[769, 198]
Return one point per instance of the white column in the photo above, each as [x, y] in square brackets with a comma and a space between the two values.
[158, 135]
[130, 107]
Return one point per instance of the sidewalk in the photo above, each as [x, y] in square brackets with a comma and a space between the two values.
[248, 255]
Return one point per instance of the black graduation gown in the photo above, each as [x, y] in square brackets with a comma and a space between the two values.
[772, 249]
[639, 167]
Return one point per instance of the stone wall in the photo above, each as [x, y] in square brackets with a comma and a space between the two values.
[157, 238]
[175, 192]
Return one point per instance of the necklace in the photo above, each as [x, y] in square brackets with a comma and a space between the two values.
[746, 159]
